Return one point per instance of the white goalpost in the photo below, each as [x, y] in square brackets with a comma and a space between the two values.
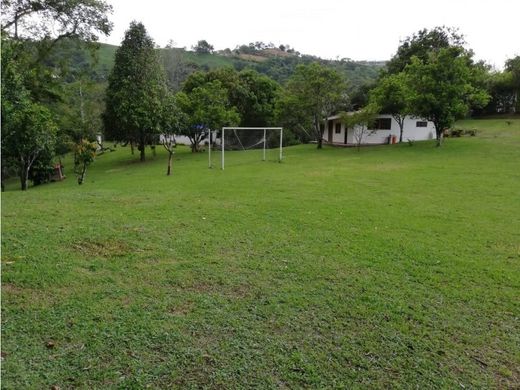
[238, 144]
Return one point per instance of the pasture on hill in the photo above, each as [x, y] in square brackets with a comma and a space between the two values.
[395, 266]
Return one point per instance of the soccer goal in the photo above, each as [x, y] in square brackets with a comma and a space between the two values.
[260, 143]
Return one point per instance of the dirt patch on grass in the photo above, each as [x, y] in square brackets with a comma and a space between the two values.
[14, 295]
[181, 310]
[103, 249]
[10, 288]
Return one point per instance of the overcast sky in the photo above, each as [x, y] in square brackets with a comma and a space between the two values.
[360, 29]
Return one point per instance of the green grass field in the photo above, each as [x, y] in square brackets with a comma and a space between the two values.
[395, 266]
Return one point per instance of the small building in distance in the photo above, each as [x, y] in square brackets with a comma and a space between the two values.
[385, 128]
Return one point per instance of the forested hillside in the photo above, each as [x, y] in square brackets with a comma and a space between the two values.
[273, 62]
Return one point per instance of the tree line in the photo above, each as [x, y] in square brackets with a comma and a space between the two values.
[49, 109]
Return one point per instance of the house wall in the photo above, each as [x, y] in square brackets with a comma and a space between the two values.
[410, 132]
[336, 138]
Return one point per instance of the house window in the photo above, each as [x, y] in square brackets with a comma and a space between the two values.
[421, 124]
[338, 128]
[382, 124]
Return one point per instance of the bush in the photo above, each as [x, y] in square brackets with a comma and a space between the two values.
[460, 132]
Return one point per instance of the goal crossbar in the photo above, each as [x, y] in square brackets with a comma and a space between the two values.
[265, 129]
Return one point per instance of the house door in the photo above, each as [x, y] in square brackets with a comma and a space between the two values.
[346, 133]
[331, 126]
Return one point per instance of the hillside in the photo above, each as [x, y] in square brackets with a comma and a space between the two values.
[273, 62]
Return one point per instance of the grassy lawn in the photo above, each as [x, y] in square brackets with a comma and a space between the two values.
[395, 266]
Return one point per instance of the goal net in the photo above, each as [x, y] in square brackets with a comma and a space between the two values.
[243, 145]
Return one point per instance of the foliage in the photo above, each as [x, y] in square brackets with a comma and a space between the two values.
[390, 96]
[177, 67]
[252, 94]
[442, 88]
[513, 67]
[203, 47]
[28, 131]
[51, 19]
[421, 44]
[313, 93]
[136, 91]
[361, 122]
[84, 155]
[175, 122]
[206, 108]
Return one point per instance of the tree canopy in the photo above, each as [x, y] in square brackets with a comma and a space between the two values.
[205, 108]
[421, 44]
[443, 87]
[391, 96]
[313, 93]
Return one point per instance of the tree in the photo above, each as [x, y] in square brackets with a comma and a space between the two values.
[39, 26]
[175, 121]
[421, 44]
[360, 122]
[36, 32]
[207, 108]
[84, 155]
[177, 68]
[313, 93]
[203, 47]
[391, 97]
[253, 95]
[262, 92]
[44, 19]
[513, 67]
[28, 130]
[136, 91]
[442, 88]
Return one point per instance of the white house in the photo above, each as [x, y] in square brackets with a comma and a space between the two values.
[384, 128]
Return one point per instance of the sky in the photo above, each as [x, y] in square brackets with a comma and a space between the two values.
[360, 29]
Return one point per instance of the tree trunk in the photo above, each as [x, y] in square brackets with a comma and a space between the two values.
[438, 133]
[401, 127]
[169, 171]
[142, 147]
[153, 150]
[24, 177]
[81, 178]
[318, 132]
[132, 147]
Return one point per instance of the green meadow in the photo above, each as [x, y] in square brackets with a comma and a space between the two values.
[392, 266]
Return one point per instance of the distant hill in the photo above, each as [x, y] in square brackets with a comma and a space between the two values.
[276, 63]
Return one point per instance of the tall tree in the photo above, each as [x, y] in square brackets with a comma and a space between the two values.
[136, 91]
[443, 88]
[390, 96]
[313, 93]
